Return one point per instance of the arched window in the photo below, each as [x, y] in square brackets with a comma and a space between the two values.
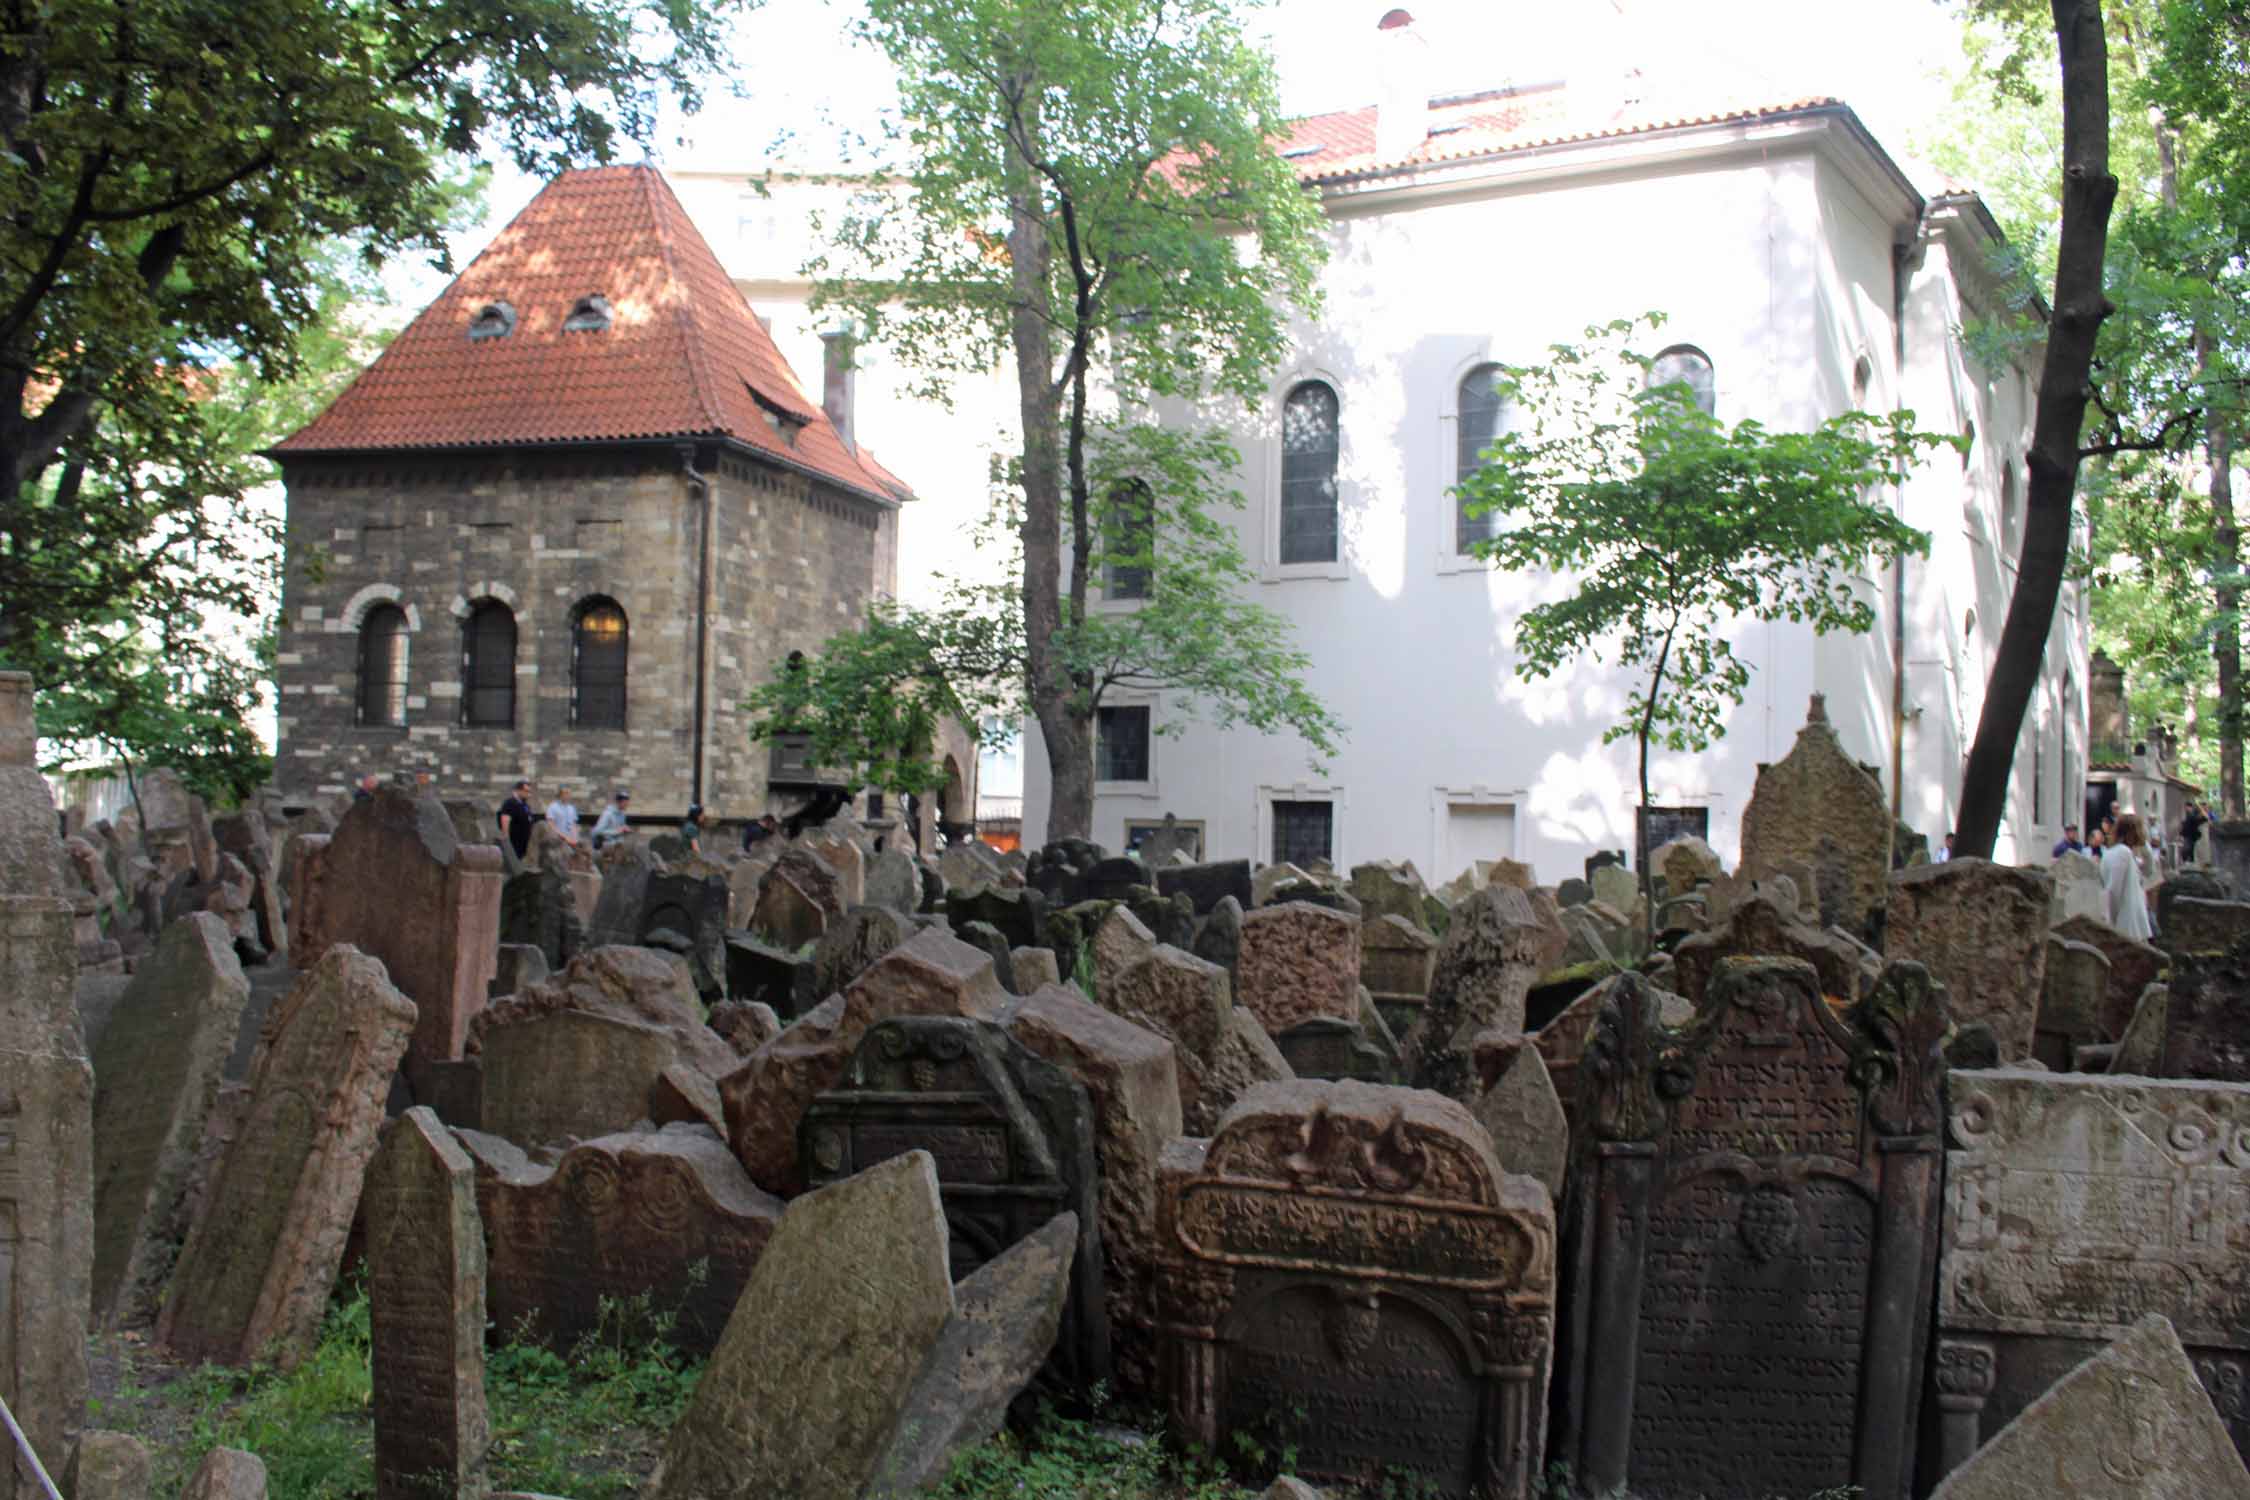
[1131, 540]
[1685, 362]
[597, 666]
[1308, 474]
[1479, 423]
[488, 666]
[382, 668]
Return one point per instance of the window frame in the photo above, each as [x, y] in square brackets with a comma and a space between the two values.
[402, 684]
[1146, 788]
[1699, 352]
[1271, 568]
[1445, 457]
[1332, 793]
[590, 605]
[479, 608]
[1111, 570]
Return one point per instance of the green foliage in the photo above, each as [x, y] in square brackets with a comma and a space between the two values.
[1676, 525]
[1072, 1459]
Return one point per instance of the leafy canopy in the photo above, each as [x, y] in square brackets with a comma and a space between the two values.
[1676, 525]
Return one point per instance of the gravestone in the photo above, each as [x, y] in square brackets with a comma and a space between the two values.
[2074, 998]
[1120, 941]
[425, 1302]
[518, 966]
[669, 1216]
[2193, 883]
[1218, 937]
[1328, 1047]
[1981, 929]
[847, 949]
[1012, 1139]
[254, 1276]
[759, 973]
[1167, 840]
[46, 1153]
[1520, 1110]
[797, 898]
[894, 883]
[1754, 1228]
[2198, 926]
[1573, 892]
[2075, 1204]
[1017, 914]
[2078, 890]
[1620, 888]
[1264, 882]
[1496, 946]
[539, 909]
[1396, 960]
[1118, 878]
[1818, 805]
[2140, 1049]
[1348, 1270]
[1206, 885]
[1298, 961]
[1218, 1048]
[395, 882]
[1385, 889]
[1683, 863]
[156, 1073]
[2134, 1422]
[2133, 966]
[1760, 928]
[2207, 1017]
[845, 860]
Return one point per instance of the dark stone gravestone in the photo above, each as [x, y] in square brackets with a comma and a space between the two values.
[1057, 871]
[2075, 1205]
[1328, 1047]
[1016, 914]
[1208, 884]
[1573, 893]
[1013, 1139]
[2190, 881]
[1114, 879]
[1753, 1235]
[758, 971]
[695, 908]
[538, 909]
[1169, 919]
[1350, 1271]
[1601, 858]
[2230, 850]
[2207, 1020]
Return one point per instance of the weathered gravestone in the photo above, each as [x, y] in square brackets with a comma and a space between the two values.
[1396, 960]
[1818, 805]
[685, 912]
[1330, 1047]
[539, 909]
[894, 883]
[254, 1276]
[1349, 1270]
[2075, 1204]
[1981, 930]
[156, 1073]
[1012, 1138]
[1017, 915]
[670, 1217]
[395, 883]
[2133, 966]
[108, 1466]
[797, 898]
[2073, 999]
[1298, 961]
[2131, 1423]
[1754, 1227]
[2207, 1017]
[1496, 946]
[425, 1301]
[46, 1177]
[1759, 928]
[1519, 1109]
[2193, 925]
[1207, 885]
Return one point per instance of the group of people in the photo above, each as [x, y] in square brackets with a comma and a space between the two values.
[2131, 864]
[515, 818]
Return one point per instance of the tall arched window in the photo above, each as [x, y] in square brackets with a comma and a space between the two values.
[1131, 540]
[1308, 474]
[1685, 362]
[382, 668]
[1479, 425]
[597, 666]
[488, 666]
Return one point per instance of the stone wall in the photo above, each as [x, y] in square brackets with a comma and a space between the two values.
[795, 561]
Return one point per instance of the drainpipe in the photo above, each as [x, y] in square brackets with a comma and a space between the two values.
[701, 487]
[1903, 248]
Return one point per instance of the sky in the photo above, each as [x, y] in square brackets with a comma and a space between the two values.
[806, 85]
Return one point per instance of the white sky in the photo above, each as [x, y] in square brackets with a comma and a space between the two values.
[809, 85]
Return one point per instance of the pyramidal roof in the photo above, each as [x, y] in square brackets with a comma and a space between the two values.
[491, 363]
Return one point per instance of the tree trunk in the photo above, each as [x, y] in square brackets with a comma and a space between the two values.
[2088, 191]
[1070, 756]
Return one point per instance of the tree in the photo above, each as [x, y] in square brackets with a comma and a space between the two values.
[1093, 189]
[1676, 526]
[174, 175]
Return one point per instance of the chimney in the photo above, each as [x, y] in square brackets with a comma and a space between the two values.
[836, 383]
[1402, 112]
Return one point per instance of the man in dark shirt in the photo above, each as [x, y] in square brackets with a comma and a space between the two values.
[515, 818]
[2191, 828]
[2068, 843]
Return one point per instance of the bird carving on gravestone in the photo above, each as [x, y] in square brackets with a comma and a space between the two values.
[1317, 1141]
[1393, 1162]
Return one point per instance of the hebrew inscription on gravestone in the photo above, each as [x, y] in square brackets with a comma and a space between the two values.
[1753, 1231]
[2074, 1206]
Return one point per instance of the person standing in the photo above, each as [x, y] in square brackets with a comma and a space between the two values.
[611, 825]
[2068, 843]
[691, 831]
[515, 817]
[363, 790]
[1945, 850]
[2121, 880]
[2191, 829]
[562, 816]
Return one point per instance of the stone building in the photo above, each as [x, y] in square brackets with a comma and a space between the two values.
[572, 514]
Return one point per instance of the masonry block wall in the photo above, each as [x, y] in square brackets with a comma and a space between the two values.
[794, 560]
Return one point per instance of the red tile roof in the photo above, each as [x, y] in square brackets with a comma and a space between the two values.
[683, 356]
[1331, 147]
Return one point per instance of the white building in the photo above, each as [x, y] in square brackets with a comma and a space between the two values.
[1787, 249]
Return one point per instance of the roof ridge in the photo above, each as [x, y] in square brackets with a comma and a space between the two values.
[695, 350]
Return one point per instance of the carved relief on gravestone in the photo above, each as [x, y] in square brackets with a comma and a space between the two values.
[425, 1297]
[1013, 1139]
[1348, 1269]
[1297, 961]
[2075, 1204]
[670, 1216]
[1754, 1225]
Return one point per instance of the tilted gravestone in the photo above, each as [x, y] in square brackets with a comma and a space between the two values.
[2207, 1017]
[1207, 885]
[1350, 1271]
[1298, 961]
[156, 1074]
[1981, 929]
[255, 1274]
[2075, 1204]
[1012, 1137]
[425, 1300]
[1496, 946]
[1396, 960]
[1754, 1226]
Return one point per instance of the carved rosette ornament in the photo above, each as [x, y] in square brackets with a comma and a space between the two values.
[1964, 1374]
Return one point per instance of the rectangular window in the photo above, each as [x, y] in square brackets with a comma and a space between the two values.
[1131, 541]
[1121, 743]
[1303, 832]
[1661, 825]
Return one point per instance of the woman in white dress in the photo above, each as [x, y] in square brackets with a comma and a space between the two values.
[2121, 880]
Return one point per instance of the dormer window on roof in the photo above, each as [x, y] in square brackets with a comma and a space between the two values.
[786, 424]
[1296, 152]
[588, 315]
[496, 321]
